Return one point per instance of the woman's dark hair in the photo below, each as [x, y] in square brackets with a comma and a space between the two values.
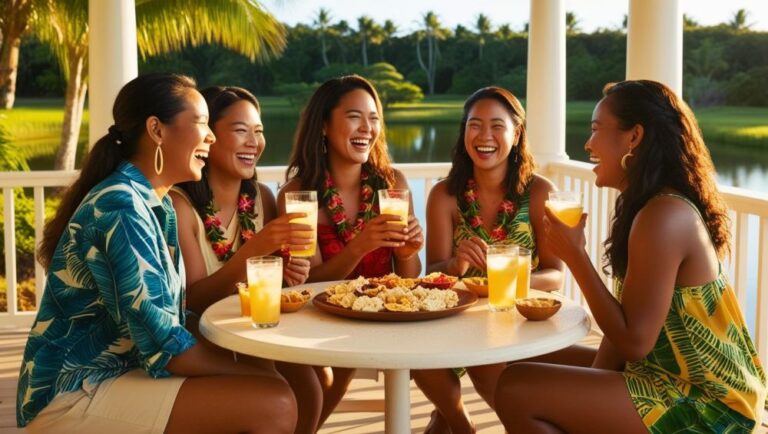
[671, 155]
[308, 162]
[162, 95]
[219, 99]
[520, 163]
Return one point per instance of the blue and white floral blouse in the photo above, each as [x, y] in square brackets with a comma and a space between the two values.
[114, 300]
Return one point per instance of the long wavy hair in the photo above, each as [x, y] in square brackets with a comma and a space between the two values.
[671, 155]
[219, 99]
[159, 94]
[520, 164]
[308, 162]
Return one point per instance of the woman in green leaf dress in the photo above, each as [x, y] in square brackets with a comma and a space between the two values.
[491, 195]
[676, 354]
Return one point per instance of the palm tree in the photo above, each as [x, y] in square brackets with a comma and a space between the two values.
[739, 20]
[341, 30]
[388, 31]
[571, 23]
[322, 22]
[689, 23]
[14, 20]
[505, 32]
[432, 33]
[162, 26]
[368, 31]
[483, 27]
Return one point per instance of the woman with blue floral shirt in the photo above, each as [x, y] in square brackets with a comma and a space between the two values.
[109, 350]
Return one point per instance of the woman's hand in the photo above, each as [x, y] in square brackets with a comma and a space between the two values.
[470, 252]
[415, 240]
[564, 241]
[280, 233]
[379, 232]
[295, 270]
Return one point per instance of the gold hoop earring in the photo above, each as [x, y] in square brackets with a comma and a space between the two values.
[158, 159]
[624, 159]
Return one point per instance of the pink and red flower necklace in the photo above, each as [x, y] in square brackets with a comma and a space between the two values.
[504, 216]
[333, 203]
[245, 215]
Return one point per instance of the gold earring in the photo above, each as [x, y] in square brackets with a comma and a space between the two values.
[158, 159]
[624, 159]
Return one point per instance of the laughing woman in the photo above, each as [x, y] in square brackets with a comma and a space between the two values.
[676, 355]
[340, 152]
[109, 350]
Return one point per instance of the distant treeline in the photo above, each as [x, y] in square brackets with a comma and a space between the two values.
[723, 65]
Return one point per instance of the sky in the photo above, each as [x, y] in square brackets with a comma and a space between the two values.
[592, 14]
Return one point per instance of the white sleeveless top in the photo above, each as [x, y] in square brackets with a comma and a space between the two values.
[231, 232]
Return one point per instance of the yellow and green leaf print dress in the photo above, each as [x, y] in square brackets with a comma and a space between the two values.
[520, 233]
[703, 374]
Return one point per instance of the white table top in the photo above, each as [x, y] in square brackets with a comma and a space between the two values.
[473, 337]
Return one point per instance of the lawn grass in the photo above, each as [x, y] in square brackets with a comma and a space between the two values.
[35, 124]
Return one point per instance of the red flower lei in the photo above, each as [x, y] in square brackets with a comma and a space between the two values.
[245, 214]
[504, 217]
[335, 207]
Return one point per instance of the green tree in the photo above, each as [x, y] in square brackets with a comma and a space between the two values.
[571, 23]
[162, 26]
[391, 85]
[14, 20]
[388, 31]
[341, 31]
[739, 20]
[433, 32]
[689, 23]
[322, 22]
[483, 27]
[368, 32]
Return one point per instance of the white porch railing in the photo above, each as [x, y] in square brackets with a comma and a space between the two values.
[748, 267]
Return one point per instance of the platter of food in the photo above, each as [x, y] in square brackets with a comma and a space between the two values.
[392, 298]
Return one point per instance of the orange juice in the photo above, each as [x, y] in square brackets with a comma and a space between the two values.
[502, 277]
[568, 213]
[396, 207]
[245, 301]
[265, 279]
[310, 209]
[523, 273]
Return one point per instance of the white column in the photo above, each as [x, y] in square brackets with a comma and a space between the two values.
[655, 42]
[545, 95]
[112, 58]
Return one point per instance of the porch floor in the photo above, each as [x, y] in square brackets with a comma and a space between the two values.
[12, 345]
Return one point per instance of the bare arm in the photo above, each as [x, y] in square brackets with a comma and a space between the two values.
[440, 255]
[549, 276]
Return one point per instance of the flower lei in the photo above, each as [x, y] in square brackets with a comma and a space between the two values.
[245, 214]
[504, 217]
[346, 230]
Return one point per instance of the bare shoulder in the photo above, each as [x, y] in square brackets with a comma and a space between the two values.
[666, 220]
[266, 193]
[181, 202]
[540, 189]
[440, 197]
[400, 180]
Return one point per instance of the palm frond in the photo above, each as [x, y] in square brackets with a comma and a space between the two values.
[243, 26]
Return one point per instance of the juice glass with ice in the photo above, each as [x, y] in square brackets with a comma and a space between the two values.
[502, 266]
[395, 202]
[566, 205]
[523, 272]
[304, 202]
[265, 279]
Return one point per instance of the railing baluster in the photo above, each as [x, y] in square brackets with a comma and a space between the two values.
[39, 200]
[9, 227]
[742, 251]
[761, 315]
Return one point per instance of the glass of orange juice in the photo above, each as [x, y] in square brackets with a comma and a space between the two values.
[502, 263]
[245, 299]
[265, 280]
[567, 206]
[304, 202]
[523, 272]
[395, 202]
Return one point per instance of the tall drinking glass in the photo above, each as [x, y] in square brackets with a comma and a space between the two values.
[265, 278]
[567, 206]
[502, 265]
[305, 202]
[523, 272]
[395, 202]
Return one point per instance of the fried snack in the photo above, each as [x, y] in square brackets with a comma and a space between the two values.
[391, 293]
[295, 296]
[438, 280]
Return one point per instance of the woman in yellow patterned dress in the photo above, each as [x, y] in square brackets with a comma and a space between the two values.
[491, 195]
[676, 354]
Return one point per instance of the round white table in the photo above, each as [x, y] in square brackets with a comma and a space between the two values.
[473, 337]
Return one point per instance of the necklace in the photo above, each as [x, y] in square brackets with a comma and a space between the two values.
[471, 213]
[335, 207]
[245, 215]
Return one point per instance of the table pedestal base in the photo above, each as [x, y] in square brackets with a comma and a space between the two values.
[397, 401]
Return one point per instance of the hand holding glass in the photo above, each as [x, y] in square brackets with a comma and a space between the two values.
[395, 202]
[265, 280]
[304, 202]
[567, 206]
